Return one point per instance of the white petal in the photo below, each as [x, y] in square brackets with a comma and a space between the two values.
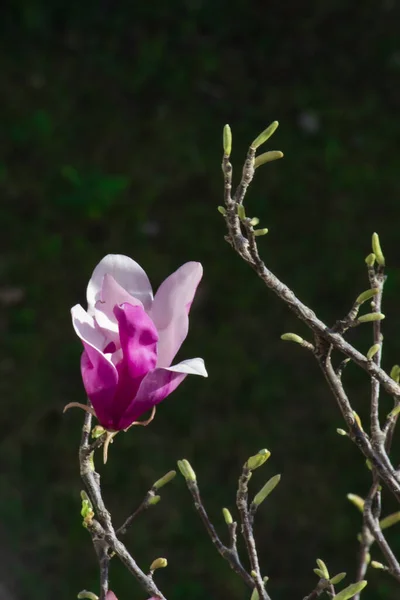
[85, 328]
[191, 366]
[128, 273]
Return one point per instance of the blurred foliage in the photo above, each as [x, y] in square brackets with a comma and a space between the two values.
[111, 118]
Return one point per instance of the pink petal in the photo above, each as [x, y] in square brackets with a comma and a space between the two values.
[127, 273]
[100, 377]
[157, 385]
[171, 307]
[111, 596]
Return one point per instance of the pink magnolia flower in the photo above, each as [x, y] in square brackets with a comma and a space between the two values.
[130, 338]
[111, 596]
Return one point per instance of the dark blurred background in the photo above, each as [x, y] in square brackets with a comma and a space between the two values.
[111, 120]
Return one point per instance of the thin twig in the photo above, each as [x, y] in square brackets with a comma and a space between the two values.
[145, 504]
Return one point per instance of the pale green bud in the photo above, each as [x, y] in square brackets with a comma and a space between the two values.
[259, 232]
[266, 490]
[390, 520]
[186, 469]
[377, 565]
[320, 573]
[267, 157]
[377, 250]
[97, 431]
[323, 568]
[164, 480]
[373, 350]
[222, 210]
[153, 500]
[351, 590]
[367, 295]
[357, 501]
[265, 135]
[292, 337]
[395, 411]
[254, 594]
[85, 595]
[369, 464]
[158, 563]
[227, 516]
[370, 260]
[254, 221]
[395, 373]
[341, 431]
[241, 212]
[368, 318]
[358, 420]
[227, 140]
[337, 578]
[258, 459]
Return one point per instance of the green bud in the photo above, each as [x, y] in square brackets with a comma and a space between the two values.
[222, 210]
[377, 565]
[370, 260]
[358, 420]
[323, 568]
[259, 232]
[292, 337]
[319, 573]
[227, 516]
[377, 250]
[390, 520]
[254, 594]
[266, 490]
[337, 578]
[153, 500]
[258, 459]
[158, 563]
[254, 221]
[164, 480]
[373, 350]
[97, 431]
[265, 579]
[341, 431]
[357, 501]
[351, 590]
[367, 558]
[186, 469]
[395, 373]
[227, 140]
[369, 464]
[267, 157]
[253, 574]
[395, 411]
[368, 318]
[85, 595]
[367, 295]
[265, 135]
[241, 212]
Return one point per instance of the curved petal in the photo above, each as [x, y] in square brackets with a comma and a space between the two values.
[171, 307]
[100, 377]
[157, 385]
[127, 273]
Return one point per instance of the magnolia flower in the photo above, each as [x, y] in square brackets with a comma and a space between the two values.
[130, 338]
[111, 596]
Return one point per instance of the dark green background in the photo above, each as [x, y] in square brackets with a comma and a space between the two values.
[111, 119]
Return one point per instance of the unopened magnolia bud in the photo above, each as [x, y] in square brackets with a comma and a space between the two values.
[158, 563]
[390, 520]
[367, 295]
[222, 210]
[351, 590]
[373, 350]
[395, 373]
[370, 260]
[377, 565]
[341, 431]
[265, 135]
[254, 221]
[153, 500]
[227, 516]
[368, 318]
[164, 480]
[267, 157]
[266, 490]
[85, 595]
[357, 501]
[241, 212]
[259, 232]
[377, 250]
[358, 420]
[337, 578]
[97, 431]
[258, 459]
[292, 337]
[323, 568]
[186, 469]
[227, 140]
